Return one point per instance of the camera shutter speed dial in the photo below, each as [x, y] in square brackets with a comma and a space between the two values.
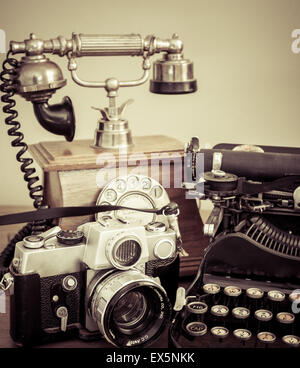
[69, 237]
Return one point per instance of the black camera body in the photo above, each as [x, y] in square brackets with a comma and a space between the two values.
[106, 279]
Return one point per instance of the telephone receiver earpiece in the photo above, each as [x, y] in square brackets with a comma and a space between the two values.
[57, 118]
[38, 80]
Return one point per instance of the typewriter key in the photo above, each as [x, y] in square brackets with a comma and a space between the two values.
[275, 297]
[291, 340]
[254, 293]
[295, 296]
[219, 313]
[197, 307]
[266, 337]
[219, 310]
[232, 293]
[242, 334]
[285, 317]
[254, 296]
[220, 332]
[241, 312]
[286, 323]
[196, 328]
[263, 317]
[212, 290]
[240, 317]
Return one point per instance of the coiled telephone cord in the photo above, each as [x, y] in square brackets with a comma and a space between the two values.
[8, 77]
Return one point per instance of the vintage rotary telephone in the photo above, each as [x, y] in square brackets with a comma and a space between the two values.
[36, 78]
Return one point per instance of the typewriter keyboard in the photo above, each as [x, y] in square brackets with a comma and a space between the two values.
[234, 317]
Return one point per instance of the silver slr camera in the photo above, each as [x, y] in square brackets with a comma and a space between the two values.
[105, 279]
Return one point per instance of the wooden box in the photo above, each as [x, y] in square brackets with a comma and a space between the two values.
[70, 179]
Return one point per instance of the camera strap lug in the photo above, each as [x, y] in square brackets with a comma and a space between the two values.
[6, 282]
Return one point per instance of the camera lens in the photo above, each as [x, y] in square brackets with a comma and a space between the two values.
[130, 308]
[127, 253]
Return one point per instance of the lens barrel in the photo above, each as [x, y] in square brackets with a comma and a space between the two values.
[130, 308]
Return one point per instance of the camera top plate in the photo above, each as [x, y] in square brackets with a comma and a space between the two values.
[135, 191]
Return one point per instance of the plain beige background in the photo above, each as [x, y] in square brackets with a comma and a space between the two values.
[248, 77]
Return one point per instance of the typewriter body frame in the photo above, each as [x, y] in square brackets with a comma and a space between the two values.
[254, 235]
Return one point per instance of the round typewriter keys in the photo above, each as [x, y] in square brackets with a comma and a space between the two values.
[275, 299]
[285, 323]
[254, 293]
[276, 295]
[240, 317]
[266, 338]
[291, 340]
[263, 315]
[219, 314]
[220, 332]
[197, 307]
[219, 310]
[254, 298]
[242, 334]
[196, 328]
[213, 292]
[285, 317]
[241, 312]
[232, 293]
[211, 288]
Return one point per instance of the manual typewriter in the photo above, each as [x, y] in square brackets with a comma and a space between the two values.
[247, 289]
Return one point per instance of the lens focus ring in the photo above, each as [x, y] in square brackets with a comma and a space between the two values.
[130, 308]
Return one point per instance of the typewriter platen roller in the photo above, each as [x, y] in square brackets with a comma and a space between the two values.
[247, 290]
